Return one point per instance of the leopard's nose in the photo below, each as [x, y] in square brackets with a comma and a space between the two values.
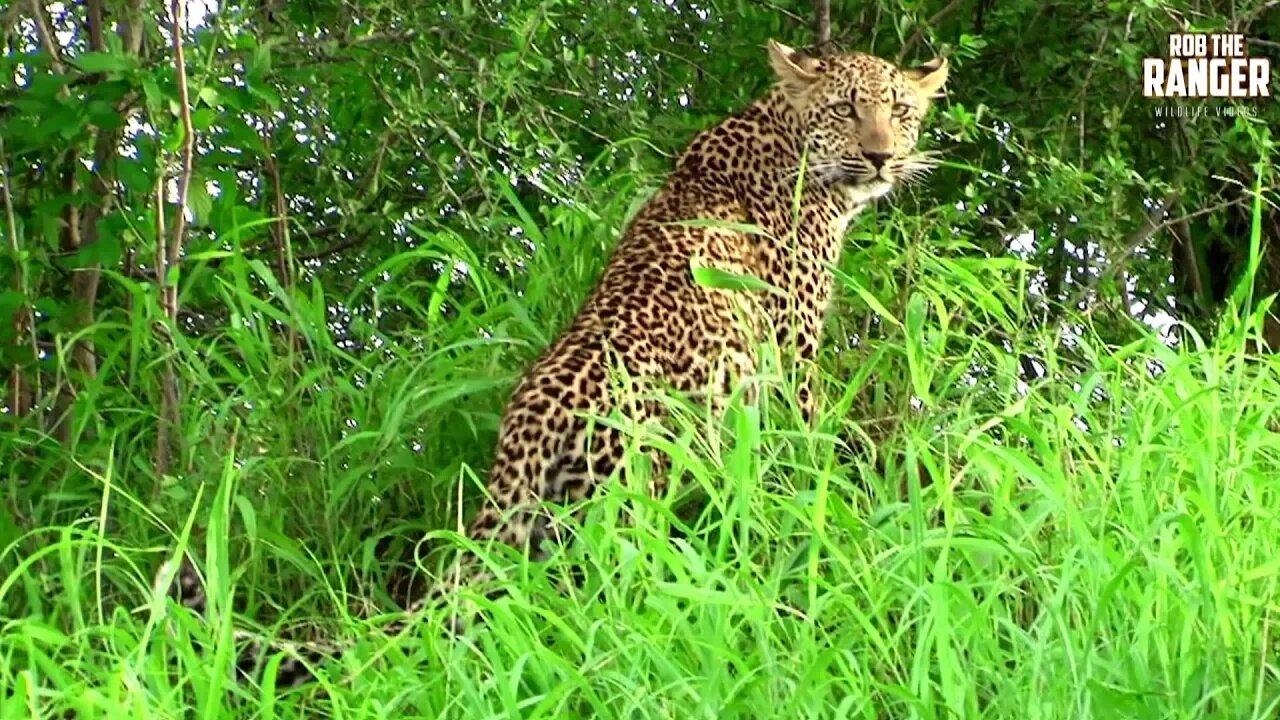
[877, 157]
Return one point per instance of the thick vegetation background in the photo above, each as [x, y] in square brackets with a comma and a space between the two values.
[270, 270]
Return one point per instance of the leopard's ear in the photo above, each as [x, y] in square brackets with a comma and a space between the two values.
[929, 77]
[796, 70]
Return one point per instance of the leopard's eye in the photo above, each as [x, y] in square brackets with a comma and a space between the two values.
[843, 110]
[901, 109]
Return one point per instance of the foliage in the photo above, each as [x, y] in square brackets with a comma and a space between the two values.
[1021, 501]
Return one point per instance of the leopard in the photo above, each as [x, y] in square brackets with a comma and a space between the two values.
[768, 192]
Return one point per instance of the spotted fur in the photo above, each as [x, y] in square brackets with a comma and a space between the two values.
[848, 125]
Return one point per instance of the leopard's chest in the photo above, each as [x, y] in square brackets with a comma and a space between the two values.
[799, 258]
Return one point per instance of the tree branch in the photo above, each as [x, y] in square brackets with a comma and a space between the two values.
[344, 244]
[916, 36]
[1147, 231]
[188, 134]
[8, 19]
[44, 28]
[168, 252]
[93, 21]
[21, 397]
[822, 25]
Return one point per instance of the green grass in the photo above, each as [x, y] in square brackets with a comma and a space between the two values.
[1100, 544]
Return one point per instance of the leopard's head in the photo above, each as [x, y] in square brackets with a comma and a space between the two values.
[860, 115]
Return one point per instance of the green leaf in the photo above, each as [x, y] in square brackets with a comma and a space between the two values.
[917, 309]
[199, 201]
[104, 114]
[173, 140]
[43, 88]
[209, 96]
[260, 64]
[436, 301]
[99, 62]
[528, 224]
[64, 121]
[49, 307]
[10, 301]
[724, 280]
[151, 91]
[209, 255]
[871, 300]
[110, 246]
[43, 634]
[134, 175]
[748, 228]
[267, 93]
[202, 119]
